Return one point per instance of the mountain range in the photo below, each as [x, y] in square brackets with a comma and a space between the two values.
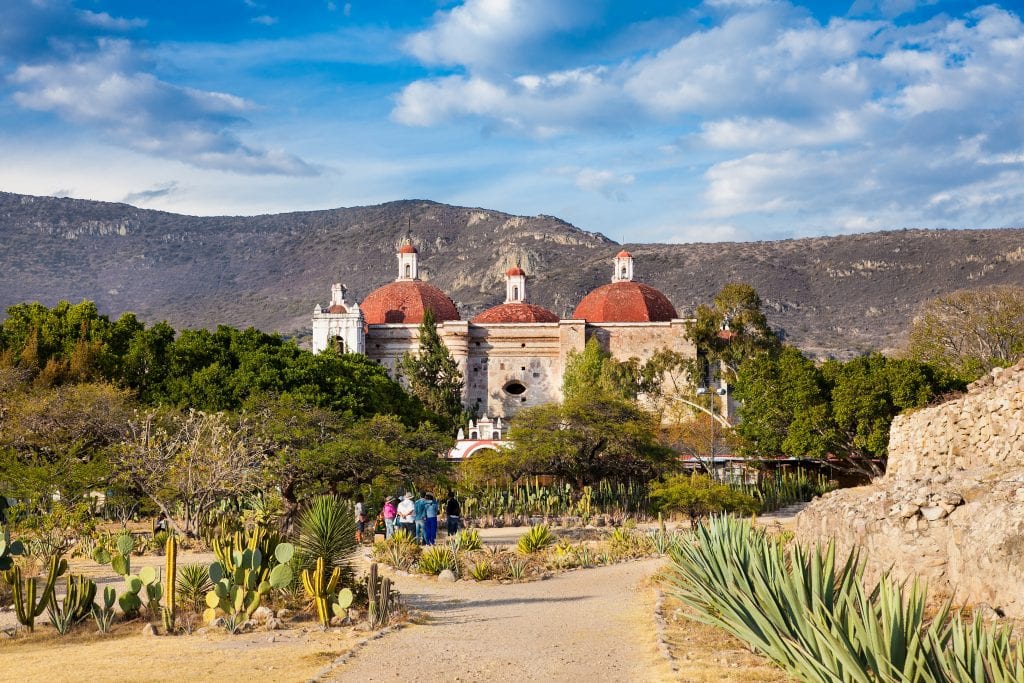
[830, 296]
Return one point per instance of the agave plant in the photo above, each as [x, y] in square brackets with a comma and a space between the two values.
[481, 570]
[436, 559]
[466, 540]
[516, 569]
[536, 539]
[813, 616]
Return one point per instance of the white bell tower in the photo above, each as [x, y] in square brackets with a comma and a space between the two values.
[515, 285]
[408, 269]
[623, 271]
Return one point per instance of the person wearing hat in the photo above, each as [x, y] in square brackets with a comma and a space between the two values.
[389, 512]
[407, 514]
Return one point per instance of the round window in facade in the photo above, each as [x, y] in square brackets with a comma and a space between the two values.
[515, 388]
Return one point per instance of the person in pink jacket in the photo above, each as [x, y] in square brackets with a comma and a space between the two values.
[390, 512]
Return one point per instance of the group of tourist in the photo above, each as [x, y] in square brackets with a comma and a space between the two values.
[419, 517]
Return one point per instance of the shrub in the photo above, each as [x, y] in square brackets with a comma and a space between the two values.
[436, 559]
[327, 529]
[698, 495]
[400, 551]
[536, 539]
[516, 570]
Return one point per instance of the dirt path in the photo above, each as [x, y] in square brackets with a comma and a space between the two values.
[594, 624]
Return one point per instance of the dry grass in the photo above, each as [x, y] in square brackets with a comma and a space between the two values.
[705, 653]
[295, 654]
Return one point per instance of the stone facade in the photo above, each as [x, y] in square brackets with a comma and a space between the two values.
[513, 355]
[950, 508]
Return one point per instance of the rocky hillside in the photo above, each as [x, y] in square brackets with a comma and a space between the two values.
[830, 295]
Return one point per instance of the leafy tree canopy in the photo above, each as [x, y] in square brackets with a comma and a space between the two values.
[842, 410]
[733, 328]
[698, 495]
[970, 332]
[585, 440]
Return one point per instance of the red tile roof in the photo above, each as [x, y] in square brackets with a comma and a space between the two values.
[515, 270]
[405, 302]
[623, 254]
[625, 302]
[337, 308]
[516, 313]
[407, 248]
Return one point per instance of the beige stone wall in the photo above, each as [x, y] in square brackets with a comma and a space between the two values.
[493, 356]
[950, 508]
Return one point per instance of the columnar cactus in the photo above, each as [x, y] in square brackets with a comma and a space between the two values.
[170, 602]
[381, 598]
[77, 603]
[26, 606]
[320, 587]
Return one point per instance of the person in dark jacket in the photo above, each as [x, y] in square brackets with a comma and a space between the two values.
[452, 511]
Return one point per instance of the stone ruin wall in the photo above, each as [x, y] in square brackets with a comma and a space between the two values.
[950, 508]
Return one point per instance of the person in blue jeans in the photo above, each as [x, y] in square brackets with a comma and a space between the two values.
[421, 518]
[430, 527]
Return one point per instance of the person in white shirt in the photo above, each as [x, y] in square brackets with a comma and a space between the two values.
[407, 514]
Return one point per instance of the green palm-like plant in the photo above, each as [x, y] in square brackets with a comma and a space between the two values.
[481, 570]
[193, 584]
[536, 539]
[327, 529]
[466, 540]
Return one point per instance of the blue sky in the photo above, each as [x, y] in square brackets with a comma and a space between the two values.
[647, 121]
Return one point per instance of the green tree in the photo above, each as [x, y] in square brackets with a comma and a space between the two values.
[866, 393]
[434, 377]
[733, 329]
[595, 372]
[784, 406]
[382, 451]
[970, 332]
[57, 440]
[698, 495]
[585, 440]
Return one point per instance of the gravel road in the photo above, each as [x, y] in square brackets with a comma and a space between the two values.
[586, 625]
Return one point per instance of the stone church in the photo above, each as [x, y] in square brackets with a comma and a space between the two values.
[512, 355]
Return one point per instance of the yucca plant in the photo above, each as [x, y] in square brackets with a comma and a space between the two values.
[193, 584]
[536, 539]
[436, 559]
[327, 529]
[401, 551]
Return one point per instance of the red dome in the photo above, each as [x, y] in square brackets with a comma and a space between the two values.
[407, 248]
[516, 313]
[623, 254]
[405, 302]
[337, 308]
[515, 270]
[625, 302]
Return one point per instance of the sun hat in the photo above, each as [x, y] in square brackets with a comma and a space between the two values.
[389, 499]
[408, 496]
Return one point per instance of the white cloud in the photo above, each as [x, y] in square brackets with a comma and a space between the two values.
[137, 110]
[105, 21]
[265, 20]
[485, 34]
[607, 183]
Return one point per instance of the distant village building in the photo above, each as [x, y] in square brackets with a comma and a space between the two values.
[512, 355]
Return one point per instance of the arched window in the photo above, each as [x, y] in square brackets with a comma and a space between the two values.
[408, 270]
[515, 292]
[623, 271]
